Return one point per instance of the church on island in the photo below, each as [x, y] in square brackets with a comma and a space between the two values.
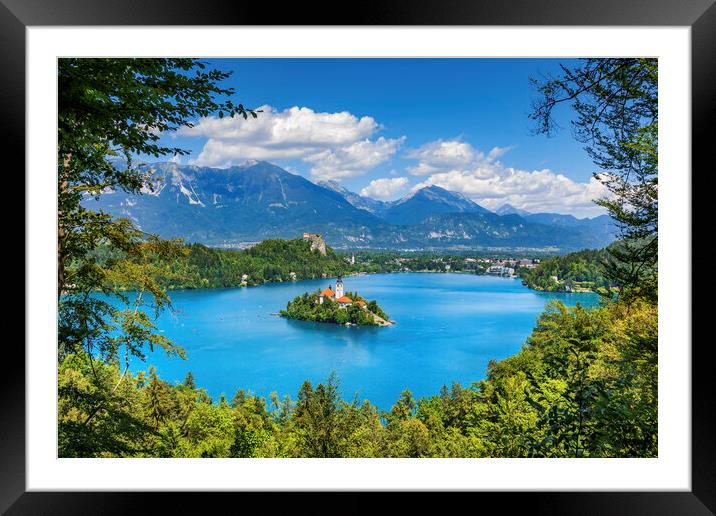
[338, 296]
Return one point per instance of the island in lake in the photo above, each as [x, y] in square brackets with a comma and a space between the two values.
[337, 307]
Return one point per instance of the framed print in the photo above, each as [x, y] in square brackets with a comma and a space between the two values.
[416, 250]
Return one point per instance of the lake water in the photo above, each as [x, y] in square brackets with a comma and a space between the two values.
[449, 326]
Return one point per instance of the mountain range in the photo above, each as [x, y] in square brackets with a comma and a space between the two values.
[508, 209]
[259, 200]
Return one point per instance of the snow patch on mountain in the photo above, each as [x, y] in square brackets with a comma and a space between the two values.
[190, 195]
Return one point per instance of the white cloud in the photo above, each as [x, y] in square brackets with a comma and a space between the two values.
[384, 188]
[496, 152]
[439, 155]
[338, 145]
[352, 160]
[491, 184]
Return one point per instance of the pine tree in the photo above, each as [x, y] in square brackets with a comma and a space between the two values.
[189, 381]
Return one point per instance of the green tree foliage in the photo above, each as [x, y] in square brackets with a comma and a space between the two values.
[120, 107]
[424, 261]
[316, 419]
[189, 381]
[110, 109]
[376, 309]
[616, 103]
[580, 271]
[584, 385]
[267, 262]
[158, 401]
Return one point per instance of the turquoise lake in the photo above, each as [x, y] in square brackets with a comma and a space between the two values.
[449, 326]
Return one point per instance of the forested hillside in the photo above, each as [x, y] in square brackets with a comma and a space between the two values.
[585, 385]
[268, 261]
[583, 270]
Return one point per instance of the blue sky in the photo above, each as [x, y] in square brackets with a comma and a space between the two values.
[383, 127]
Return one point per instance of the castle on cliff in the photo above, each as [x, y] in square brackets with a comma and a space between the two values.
[316, 241]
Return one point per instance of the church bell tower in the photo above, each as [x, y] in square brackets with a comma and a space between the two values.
[339, 287]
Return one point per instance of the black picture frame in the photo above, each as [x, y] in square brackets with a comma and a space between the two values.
[699, 15]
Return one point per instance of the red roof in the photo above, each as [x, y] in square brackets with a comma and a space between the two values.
[344, 299]
[327, 293]
[360, 302]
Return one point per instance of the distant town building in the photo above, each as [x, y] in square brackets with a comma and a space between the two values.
[501, 270]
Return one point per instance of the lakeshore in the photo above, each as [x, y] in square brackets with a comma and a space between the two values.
[450, 326]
